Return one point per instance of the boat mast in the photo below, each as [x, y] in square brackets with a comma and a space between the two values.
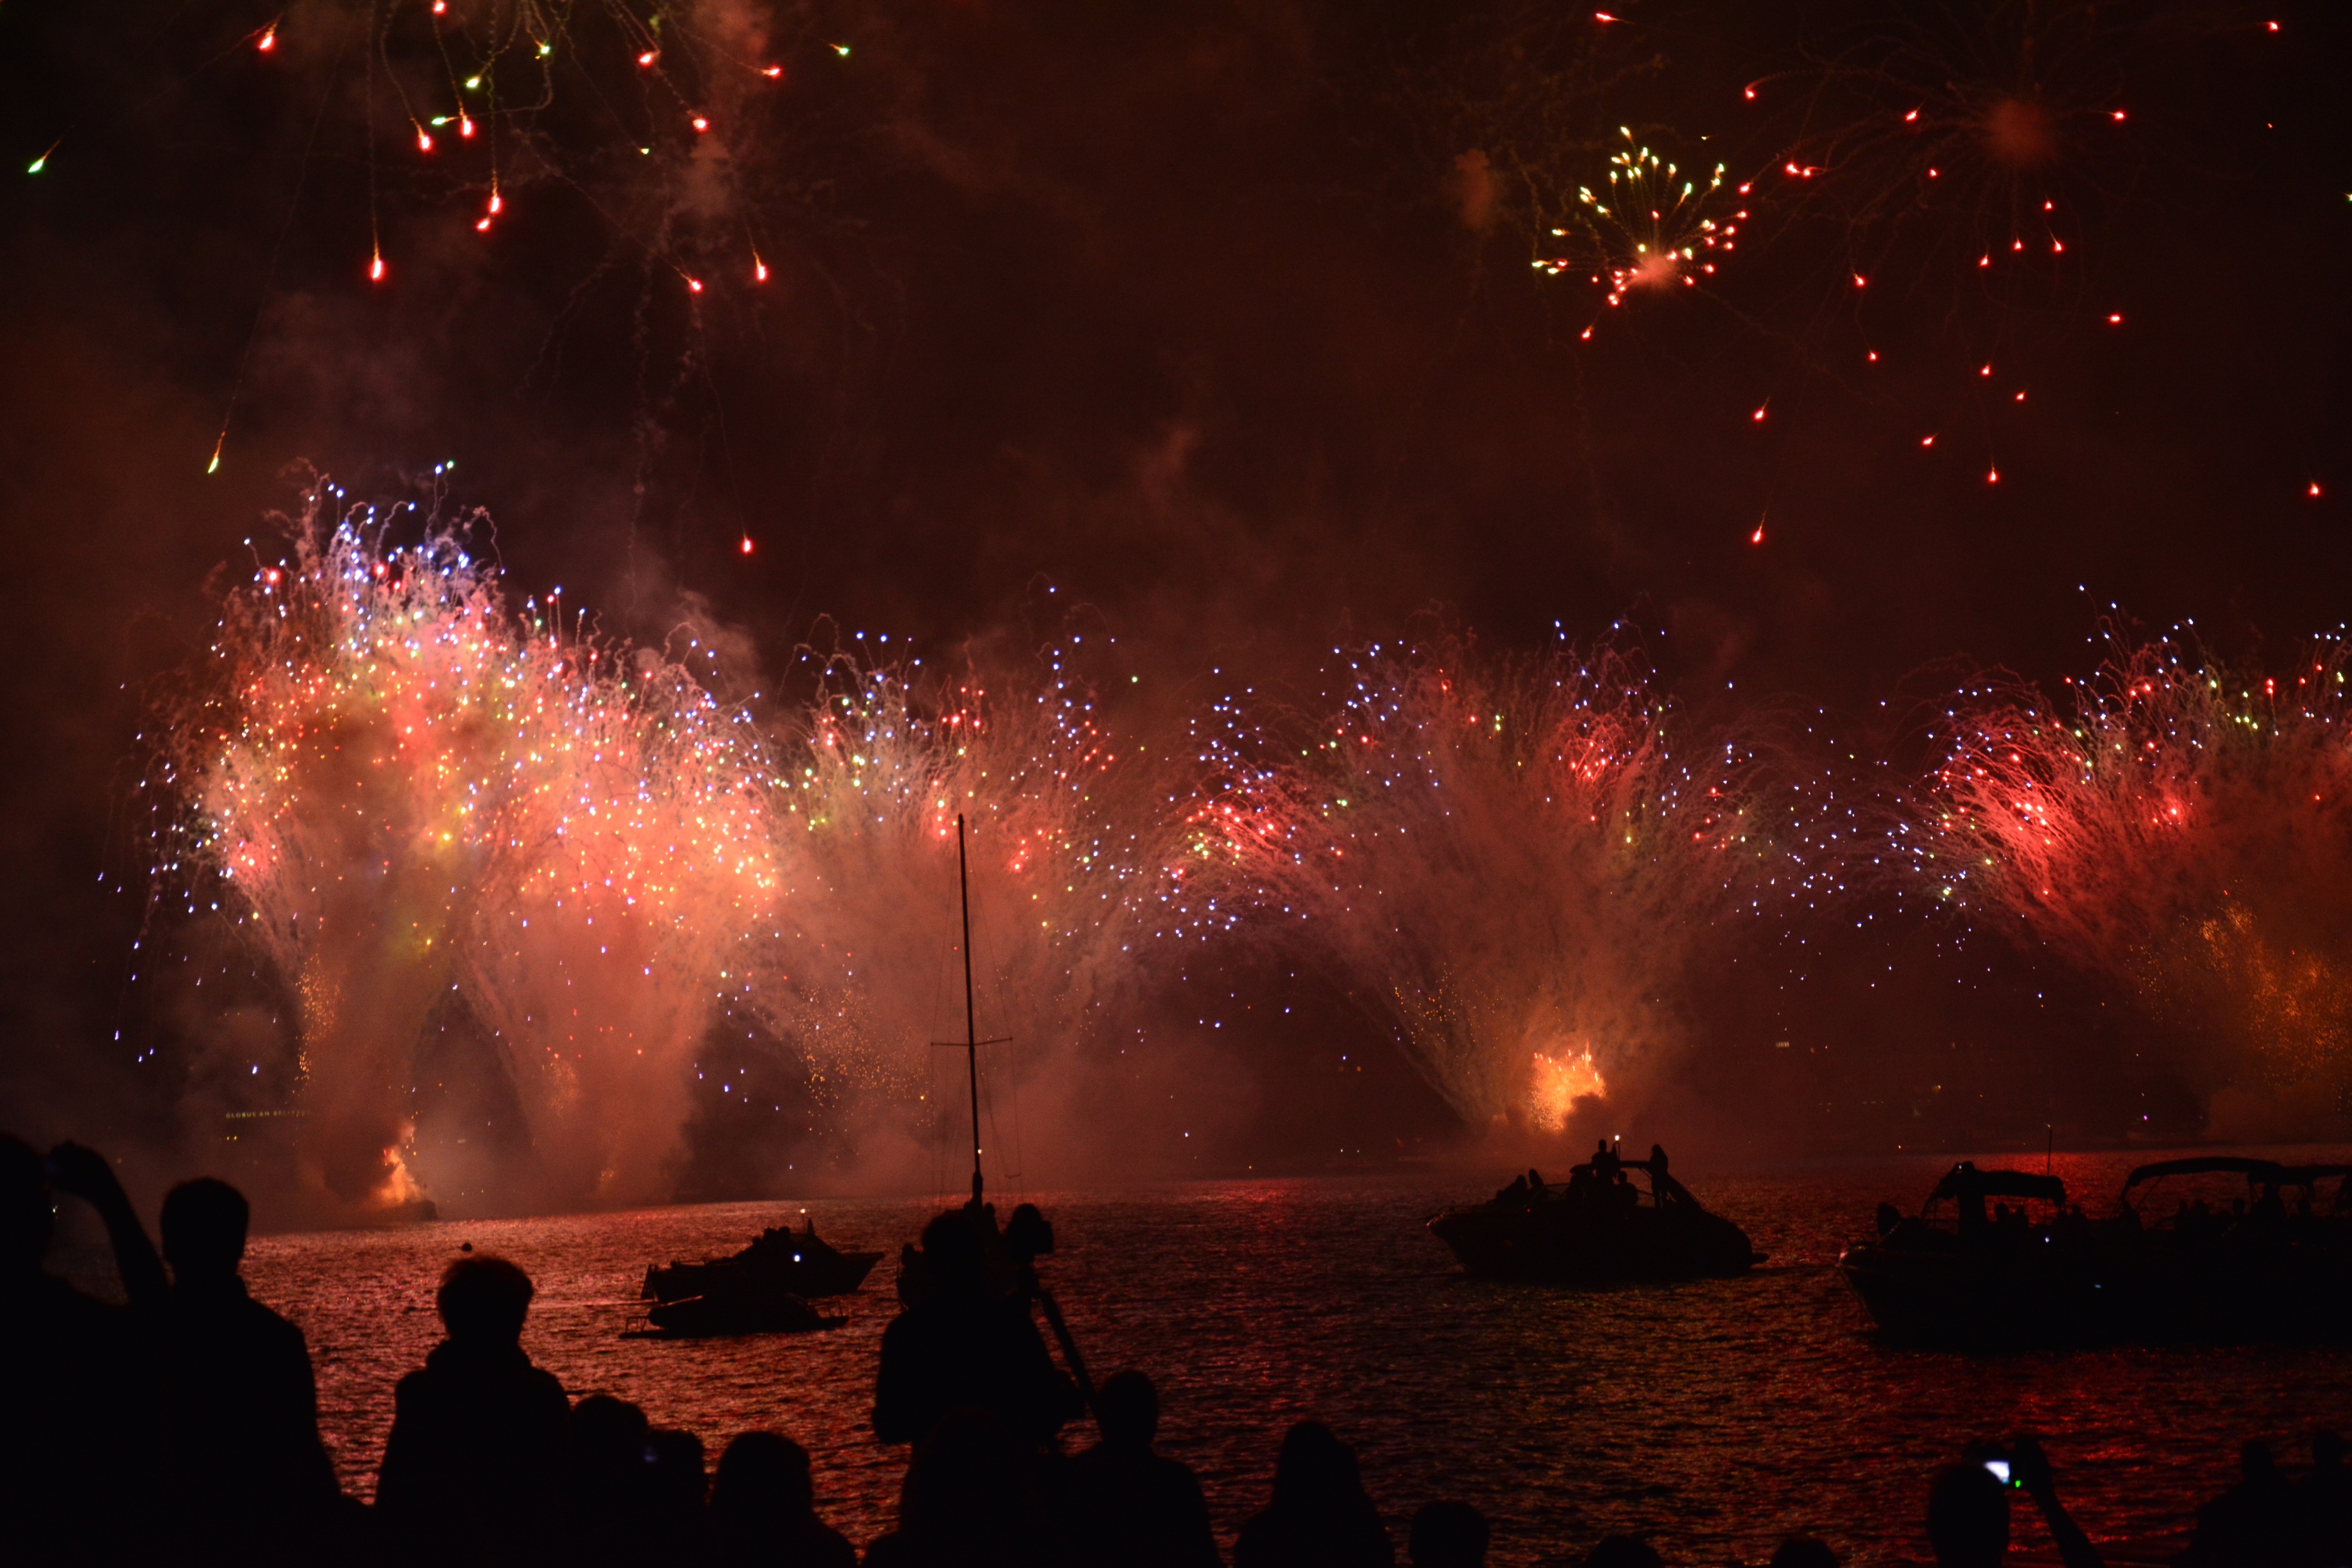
[970, 1027]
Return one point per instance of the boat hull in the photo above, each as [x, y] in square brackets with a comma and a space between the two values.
[2134, 1290]
[728, 1313]
[1554, 1244]
[794, 1267]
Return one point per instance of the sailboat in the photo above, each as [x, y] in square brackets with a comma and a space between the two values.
[914, 1282]
[1011, 1252]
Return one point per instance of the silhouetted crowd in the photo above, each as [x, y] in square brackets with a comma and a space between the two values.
[183, 1428]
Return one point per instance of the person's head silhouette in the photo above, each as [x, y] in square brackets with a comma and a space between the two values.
[1312, 1470]
[678, 1471]
[1448, 1535]
[1803, 1552]
[28, 1215]
[1623, 1552]
[607, 1435]
[483, 1300]
[1126, 1407]
[2327, 1450]
[762, 1479]
[1967, 1518]
[1028, 1235]
[203, 1231]
[952, 1248]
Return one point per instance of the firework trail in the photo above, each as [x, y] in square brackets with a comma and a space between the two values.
[1957, 173]
[2182, 832]
[1507, 861]
[410, 792]
[662, 123]
[1984, 131]
[692, 150]
[1069, 829]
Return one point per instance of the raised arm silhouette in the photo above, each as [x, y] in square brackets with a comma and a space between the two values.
[79, 1457]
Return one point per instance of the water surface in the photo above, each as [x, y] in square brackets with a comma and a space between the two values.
[1712, 1418]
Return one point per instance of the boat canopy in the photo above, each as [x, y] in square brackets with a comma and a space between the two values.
[1964, 1179]
[1664, 1187]
[2269, 1172]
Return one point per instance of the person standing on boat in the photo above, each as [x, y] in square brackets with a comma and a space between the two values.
[1605, 1165]
[964, 1345]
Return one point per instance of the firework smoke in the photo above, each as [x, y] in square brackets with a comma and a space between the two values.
[412, 793]
[1508, 862]
[1068, 835]
[2183, 833]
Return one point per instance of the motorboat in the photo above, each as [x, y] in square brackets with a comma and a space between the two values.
[1599, 1228]
[781, 1258]
[2271, 1258]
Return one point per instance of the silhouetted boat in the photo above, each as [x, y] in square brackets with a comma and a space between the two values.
[797, 1262]
[742, 1306]
[1597, 1228]
[1009, 1254]
[2041, 1272]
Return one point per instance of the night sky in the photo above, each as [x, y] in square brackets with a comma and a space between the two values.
[1197, 314]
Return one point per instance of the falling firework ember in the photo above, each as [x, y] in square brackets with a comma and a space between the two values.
[1508, 862]
[412, 793]
[2181, 834]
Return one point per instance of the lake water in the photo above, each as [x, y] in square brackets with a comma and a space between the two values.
[1712, 1418]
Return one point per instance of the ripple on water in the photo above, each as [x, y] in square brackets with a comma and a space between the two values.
[1713, 1417]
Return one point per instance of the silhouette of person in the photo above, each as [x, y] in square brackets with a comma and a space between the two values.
[251, 1481]
[763, 1509]
[1448, 1534]
[77, 1468]
[1967, 1512]
[473, 1469]
[965, 1345]
[1968, 1517]
[86, 1174]
[2323, 1502]
[1319, 1516]
[1028, 1235]
[1803, 1552]
[609, 1506]
[1658, 1162]
[1623, 1552]
[1128, 1504]
[678, 1483]
[2252, 1523]
[970, 1500]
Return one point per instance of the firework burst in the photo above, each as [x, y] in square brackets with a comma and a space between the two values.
[1067, 834]
[1507, 862]
[411, 791]
[1653, 225]
[2183, 831]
